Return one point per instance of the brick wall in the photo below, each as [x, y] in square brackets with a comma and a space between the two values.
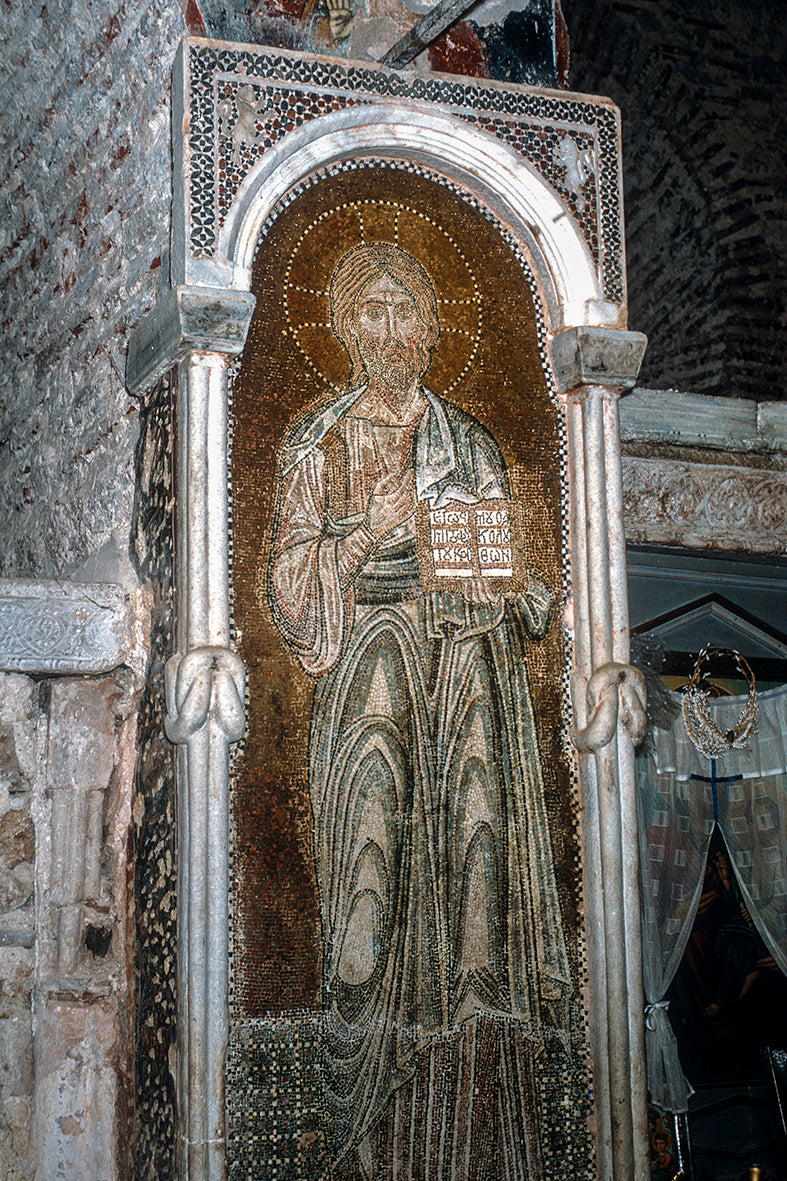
[85, 184]
[702, 90]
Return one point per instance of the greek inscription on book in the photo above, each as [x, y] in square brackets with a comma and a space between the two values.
[459, 541]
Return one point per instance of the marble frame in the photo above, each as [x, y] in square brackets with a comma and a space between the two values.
[466, 131]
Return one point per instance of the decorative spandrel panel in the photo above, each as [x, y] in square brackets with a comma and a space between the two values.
[243, 103]
[408, 958]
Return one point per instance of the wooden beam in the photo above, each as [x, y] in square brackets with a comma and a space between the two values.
[428, 29]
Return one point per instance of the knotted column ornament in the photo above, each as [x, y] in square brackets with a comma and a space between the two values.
[615, 692]
[207, 681]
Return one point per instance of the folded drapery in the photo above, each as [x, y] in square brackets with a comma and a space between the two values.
[682, 796]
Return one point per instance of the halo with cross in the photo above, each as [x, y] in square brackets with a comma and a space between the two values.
[330, 235]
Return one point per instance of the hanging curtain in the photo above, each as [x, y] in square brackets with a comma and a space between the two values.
[678, 809]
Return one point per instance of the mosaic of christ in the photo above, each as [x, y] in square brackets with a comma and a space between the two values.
[443, 965]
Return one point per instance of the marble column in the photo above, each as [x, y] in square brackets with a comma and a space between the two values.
[200, 330]
[593, 366]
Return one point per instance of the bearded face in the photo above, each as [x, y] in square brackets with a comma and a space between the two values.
[390, 335]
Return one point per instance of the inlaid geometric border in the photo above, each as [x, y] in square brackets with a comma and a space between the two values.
[241, 101]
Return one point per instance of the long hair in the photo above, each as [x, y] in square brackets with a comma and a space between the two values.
[353, 273]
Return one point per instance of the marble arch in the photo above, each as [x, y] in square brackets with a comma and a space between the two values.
[503, 181]
[200, 322]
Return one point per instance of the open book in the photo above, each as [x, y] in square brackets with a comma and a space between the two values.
[458, 541]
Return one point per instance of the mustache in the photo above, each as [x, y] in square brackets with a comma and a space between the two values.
[395, 351]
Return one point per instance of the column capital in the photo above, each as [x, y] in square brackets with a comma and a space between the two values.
[185, 318]
[587, 355]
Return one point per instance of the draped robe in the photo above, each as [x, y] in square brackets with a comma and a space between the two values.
[433, 859]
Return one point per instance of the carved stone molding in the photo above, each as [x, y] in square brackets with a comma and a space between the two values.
[55, 627]
[676, 419]
[705, 506]
[185, 319]
[588, 355]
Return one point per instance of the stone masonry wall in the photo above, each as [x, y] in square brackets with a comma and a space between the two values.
[83, 1100]
[66, 763]
[85, 193]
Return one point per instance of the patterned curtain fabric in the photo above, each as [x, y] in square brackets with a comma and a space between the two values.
[682, 796]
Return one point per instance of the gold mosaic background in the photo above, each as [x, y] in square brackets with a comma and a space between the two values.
[487, 361]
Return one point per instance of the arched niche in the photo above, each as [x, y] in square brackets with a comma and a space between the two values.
[545, 167]
[505, 183]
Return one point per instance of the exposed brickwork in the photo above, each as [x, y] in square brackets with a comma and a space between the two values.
[85, 191]
[702, 89]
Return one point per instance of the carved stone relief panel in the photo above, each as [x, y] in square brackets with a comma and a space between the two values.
[705, 505]
[704, 472]
[57, 626]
